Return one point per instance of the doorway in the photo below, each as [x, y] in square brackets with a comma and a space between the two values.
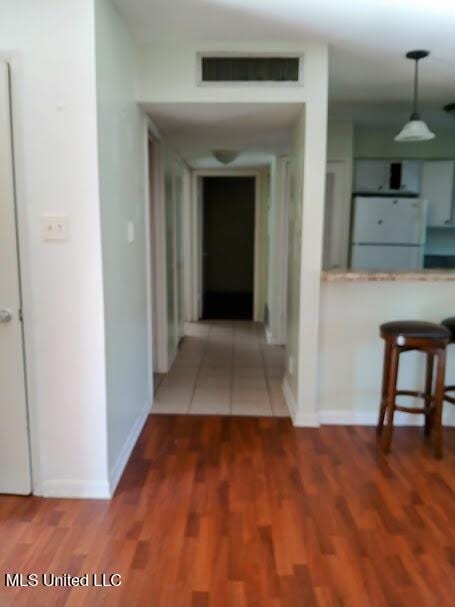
[228, 233]
[15, 475]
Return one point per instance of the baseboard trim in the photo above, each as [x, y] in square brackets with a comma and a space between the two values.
[300, 420]
[271, 340]
[70, 489]
[128, 446]
[348, 417]
[289, 398]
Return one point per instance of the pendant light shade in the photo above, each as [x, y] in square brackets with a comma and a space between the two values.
[416, 129]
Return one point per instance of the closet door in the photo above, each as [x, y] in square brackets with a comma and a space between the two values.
[15, 474]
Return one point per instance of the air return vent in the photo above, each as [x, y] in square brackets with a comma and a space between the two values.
[250, 69]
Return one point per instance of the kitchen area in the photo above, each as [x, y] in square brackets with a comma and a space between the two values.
[402, 215]
[389, 254]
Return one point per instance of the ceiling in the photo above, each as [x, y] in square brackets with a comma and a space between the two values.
[368, 39]
[255, 130]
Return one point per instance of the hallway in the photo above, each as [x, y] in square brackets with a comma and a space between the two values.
[224, 368]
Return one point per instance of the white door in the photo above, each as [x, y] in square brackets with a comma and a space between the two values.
[15, 474]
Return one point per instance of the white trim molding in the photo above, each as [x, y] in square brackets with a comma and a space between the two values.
[157, 289]
[76, 489]
[118, 468]
[270, 339]
[350, 417]
[299, 419]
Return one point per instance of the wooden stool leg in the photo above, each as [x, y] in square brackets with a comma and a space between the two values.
[428, 393]
[385, 381]
[391, 398]
[436, 434]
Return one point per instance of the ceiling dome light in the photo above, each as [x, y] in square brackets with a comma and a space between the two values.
[225, 156]
[415, 129]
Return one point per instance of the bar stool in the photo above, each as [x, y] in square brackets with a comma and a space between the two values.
[449, 323]
[404, 336]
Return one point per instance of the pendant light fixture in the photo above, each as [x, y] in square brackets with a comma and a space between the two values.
[415, 129]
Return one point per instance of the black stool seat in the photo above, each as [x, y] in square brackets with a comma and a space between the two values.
[449, 323]
[415, 329]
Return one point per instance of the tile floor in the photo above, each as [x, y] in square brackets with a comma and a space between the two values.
[224, 368]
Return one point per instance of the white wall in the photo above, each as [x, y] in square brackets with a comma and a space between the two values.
[295, 212]
[378, 142]
[309, 155]
[169, 73]
[122, 131]
[351, 351]
[51, 47]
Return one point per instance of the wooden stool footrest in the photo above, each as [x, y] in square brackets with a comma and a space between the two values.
[449, 399]
[423, 410]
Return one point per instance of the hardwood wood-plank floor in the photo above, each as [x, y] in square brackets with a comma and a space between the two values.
[249, 512]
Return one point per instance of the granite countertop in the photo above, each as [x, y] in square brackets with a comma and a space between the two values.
[365, 276]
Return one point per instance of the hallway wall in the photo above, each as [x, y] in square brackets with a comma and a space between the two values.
[296, 174]
[122, 152]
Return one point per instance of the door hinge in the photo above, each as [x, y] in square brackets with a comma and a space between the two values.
[20, 315]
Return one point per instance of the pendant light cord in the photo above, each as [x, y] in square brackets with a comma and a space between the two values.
[415, 112]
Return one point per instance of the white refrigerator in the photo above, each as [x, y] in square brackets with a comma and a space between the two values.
[388, 233]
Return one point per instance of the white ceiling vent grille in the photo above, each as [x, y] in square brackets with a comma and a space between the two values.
[245, 69]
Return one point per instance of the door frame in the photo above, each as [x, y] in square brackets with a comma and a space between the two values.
[341, 214]
[283, 248]
[156, 255]
[196, 236]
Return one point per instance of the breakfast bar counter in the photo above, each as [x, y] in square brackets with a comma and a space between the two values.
[353, 304]
[372, 276]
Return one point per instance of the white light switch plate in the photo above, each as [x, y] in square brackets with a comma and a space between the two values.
[130, 231]
[54, 227]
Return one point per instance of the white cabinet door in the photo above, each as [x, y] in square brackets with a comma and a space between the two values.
[371, 175]
[437, 188]
[14, 446]
[411, 176]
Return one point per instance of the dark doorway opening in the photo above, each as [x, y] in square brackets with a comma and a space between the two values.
[228, 247]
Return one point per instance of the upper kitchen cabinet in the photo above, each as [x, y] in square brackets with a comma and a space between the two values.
[387, 177]
[370, 175]
[438, 189]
